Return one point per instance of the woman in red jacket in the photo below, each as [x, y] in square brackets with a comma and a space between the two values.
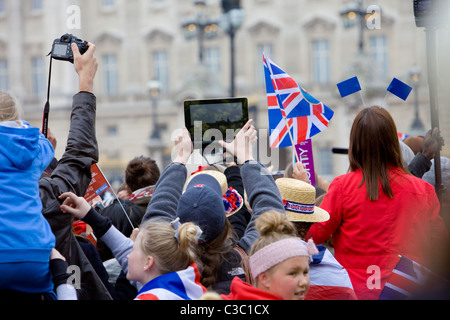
[378, 210]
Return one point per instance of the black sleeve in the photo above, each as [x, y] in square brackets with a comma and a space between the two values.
[99, 223]
[58, 268]
[419, 165]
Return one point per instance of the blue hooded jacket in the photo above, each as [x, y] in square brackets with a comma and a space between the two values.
[25, 235]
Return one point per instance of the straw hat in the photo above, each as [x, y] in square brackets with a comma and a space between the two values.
[232, 200]
[299, 198]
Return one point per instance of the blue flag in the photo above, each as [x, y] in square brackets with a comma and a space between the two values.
[400, 89]
[348, 86]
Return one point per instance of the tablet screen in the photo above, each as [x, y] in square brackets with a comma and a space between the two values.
[214, 119]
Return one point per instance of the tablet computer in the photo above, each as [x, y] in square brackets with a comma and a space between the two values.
[210, 120]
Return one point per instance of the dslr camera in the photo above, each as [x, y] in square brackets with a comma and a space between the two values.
[61, 49]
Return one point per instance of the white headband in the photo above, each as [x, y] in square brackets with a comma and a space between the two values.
[277, 252]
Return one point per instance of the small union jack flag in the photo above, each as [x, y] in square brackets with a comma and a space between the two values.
[410, 278]
[287, 102]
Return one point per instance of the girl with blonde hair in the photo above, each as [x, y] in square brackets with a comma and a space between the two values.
[279, 262]
[161, 260]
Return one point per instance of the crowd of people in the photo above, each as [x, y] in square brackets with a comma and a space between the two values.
[226, 232]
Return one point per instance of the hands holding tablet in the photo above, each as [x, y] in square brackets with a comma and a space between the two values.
[242, 146]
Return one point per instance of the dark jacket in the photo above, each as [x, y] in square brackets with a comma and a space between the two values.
[73, 173]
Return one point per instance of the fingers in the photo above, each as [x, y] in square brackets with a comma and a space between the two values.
[75, 50]
[69, 196]
[76, 206]
[134, 234]
[247, 125]
[55, 254]
[222, 143]
[91, 48]
[435, 133]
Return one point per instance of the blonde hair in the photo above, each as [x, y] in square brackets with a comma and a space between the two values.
[10, 110]
[272, 227]
[158, 240]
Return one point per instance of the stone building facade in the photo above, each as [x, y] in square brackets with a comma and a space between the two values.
[139, 41]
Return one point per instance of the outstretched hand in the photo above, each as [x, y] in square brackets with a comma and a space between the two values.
[299, 172]
[242, 145]
[86, 66]
[183, 147]
[75, 205]
[431, 143]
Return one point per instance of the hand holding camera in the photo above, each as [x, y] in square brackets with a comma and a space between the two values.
[81, 54]
[86, 66]
[62, 47]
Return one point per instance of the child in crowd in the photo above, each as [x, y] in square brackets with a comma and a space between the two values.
[161, 259]
[26, 239]
[329, 280]
[279, 262]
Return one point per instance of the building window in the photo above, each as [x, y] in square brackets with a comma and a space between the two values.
[325, 162]
[212, 59]
[4, 80]
[110, 74]
[379, 56]
[161, 69]
[108, 4]
[36, 6]
[321, 61]
[268, 50]
[38, 76]
[112, 130]
[2, 7]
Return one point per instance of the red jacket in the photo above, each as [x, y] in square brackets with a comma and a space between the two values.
[240, 290]
[369, 235]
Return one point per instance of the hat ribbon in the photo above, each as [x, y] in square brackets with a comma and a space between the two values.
[298, 207]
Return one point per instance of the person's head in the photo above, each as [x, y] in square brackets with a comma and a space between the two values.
[299, 199]
[161, 248]
[279, 260]
[10, 110]
[204, 204]
[415, 143]
[373, 148]
[141, 172]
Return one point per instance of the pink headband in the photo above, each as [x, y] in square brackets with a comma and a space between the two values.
[277, 252]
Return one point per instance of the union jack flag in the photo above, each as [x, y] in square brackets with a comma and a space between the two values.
[410, 278]
[287, 102]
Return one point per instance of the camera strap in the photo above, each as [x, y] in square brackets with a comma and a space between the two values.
[47, 103]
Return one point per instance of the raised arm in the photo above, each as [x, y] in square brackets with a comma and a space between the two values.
[170, 184]
[73, 171]
[262, 192]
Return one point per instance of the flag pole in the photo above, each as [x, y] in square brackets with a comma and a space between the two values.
[292, 139]
[362, 98]
[384, 100]
[115, 195]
